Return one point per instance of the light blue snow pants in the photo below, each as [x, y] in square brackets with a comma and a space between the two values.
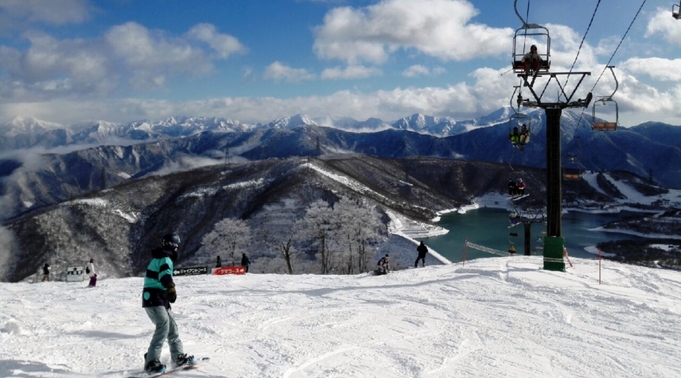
[165, 329]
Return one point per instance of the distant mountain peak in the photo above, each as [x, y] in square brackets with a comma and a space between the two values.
[27, 125]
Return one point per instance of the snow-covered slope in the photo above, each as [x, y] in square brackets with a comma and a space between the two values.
[495, 317]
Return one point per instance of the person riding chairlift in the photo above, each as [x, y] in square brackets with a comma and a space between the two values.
[520, 187]
[524, 136]
[514, 137]
[531, 62]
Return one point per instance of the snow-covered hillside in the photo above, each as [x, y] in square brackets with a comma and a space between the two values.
[494, 317]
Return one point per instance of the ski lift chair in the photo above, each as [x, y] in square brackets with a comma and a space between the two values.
[572, 171]
[512, 249]
[571, 174]
[533, 31]
[675, 10]
[603, 102]
[515, 134]
[539, 245]
[604, 125]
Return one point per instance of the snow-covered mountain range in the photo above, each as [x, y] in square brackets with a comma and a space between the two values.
[25, 132]
[44, 163]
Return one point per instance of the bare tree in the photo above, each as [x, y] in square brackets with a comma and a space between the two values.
[228, 235]
[358, 226]
[317, 225]
[284, 245]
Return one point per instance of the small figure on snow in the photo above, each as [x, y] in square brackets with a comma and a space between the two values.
[46, 272]
[218, 263]
[90, 271]
[383, 265]
[245, 262]
[422, 250]
[157, 295]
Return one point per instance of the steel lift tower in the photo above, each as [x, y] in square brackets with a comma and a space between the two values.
[554, 242]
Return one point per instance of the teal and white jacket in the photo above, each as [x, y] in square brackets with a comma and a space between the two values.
[158, 279]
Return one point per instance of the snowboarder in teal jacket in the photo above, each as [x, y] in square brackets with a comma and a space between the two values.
[157, 295]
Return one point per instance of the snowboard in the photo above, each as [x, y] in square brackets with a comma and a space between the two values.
[195, 365]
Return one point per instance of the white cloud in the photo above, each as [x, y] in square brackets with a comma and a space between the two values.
[437, 28]
[657, 68]
[277, 71]
[50, 67]
[664, 24]
[144, 58]
[14, 13]
[418, 70]
[225, 45]
[141, 48]
[459, 99]
[565, 43]
[246, 74]
[350, 72]
[491, 90]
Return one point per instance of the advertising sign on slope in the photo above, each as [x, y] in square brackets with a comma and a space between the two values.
[230, 270]
[190, 271]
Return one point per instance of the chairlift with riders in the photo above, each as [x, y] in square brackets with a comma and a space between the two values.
[531, 54]
[605, 102]
[519, 125]
[519, 130]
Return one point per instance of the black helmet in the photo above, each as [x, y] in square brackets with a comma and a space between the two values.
[171, 240]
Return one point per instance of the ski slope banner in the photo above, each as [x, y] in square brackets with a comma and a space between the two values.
[238, 269]
[191, 271]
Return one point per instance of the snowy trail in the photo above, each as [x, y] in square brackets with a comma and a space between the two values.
[497, 316]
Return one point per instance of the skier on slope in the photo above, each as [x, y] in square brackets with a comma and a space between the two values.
[422, 250]
[158, 293]
[90, 271]
[383, 265]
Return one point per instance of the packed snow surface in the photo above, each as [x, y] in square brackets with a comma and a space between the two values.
[493, 317]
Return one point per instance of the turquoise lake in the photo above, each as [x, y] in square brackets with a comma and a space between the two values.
[489, 227]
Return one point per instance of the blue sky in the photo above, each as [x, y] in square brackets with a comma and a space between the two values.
[69, 61]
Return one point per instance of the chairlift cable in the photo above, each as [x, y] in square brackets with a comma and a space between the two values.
[619, 44]
[515, 7]
[613, 54]
[523, 20]
[582, 42]
[527, 17]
